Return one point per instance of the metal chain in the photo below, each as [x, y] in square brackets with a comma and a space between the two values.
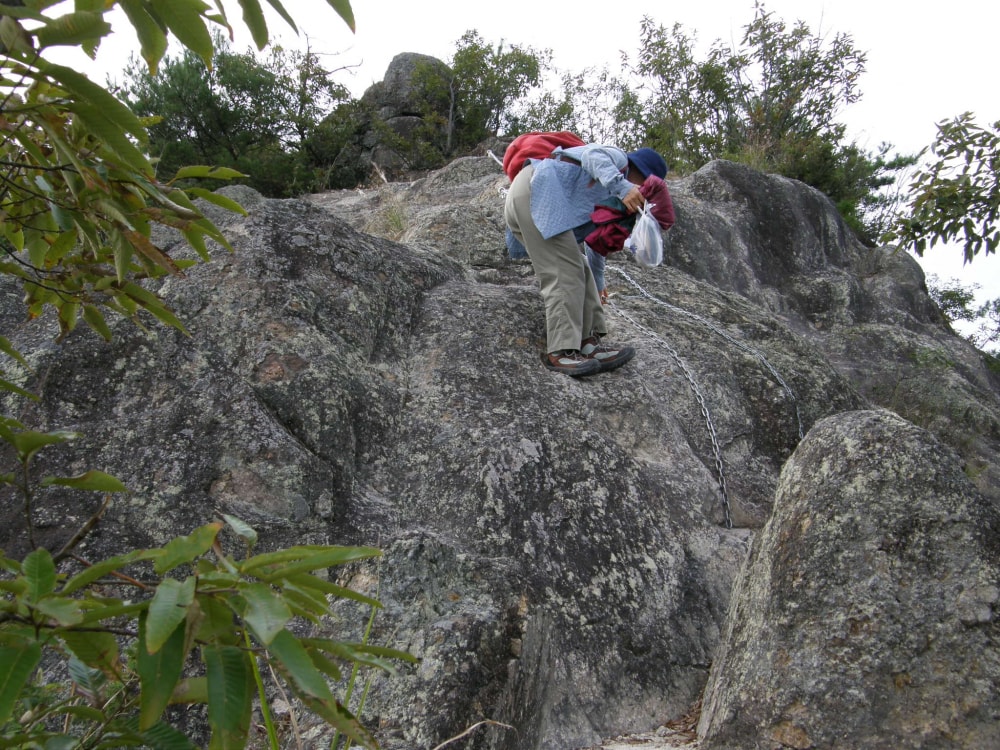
[712, 326]
[699, 397]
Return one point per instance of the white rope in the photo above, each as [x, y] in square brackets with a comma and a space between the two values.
[495, 158]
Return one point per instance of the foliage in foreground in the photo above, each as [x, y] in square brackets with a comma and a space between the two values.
[78, 194]
[189, 622]
[186, 623]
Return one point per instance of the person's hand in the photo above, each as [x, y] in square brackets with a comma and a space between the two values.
[634, 200]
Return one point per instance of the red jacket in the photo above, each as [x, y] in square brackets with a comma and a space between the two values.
[614, 225]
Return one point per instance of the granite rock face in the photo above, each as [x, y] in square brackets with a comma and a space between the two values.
[364, 369]
[867, 613]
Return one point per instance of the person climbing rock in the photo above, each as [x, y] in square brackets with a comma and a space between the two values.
[549, 199]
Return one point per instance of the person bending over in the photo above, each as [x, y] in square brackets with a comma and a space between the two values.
[546, 202]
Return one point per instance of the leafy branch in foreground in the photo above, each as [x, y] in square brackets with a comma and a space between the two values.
[78, 194]
[186, 599]
[184, 623]
[958, 195]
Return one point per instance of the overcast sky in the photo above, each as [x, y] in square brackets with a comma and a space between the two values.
[925, 63]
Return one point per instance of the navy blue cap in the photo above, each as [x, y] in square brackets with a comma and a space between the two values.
[648, 161]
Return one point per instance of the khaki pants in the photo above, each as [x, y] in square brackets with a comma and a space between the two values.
[573, 309]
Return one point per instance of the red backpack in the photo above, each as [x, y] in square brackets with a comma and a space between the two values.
[535, 146]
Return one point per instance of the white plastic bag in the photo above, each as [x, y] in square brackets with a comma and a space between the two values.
[646, 240]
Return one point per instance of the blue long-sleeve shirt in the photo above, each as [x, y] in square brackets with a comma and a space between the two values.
[563, 193]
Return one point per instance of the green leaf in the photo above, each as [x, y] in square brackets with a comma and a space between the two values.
[96, 481]
[99, 570]
[309, 581]
[217, 199]
[152, 36]
[19, 664]
[68, 315]
[65, 242]
[184, 549]
[91, 680]
[344, 10]
[29, 442]
[253, 17]
[162, 736]
[321, 560]
[95, 649]
[325, 665]
[7, 348]
[303, 559]
[40, 573]
[276, 4]
[384, 651]
[206, 172]
[37, 253]
[153, 305]
[215, 623]
[297, 668]
[158, 673]
[230, 690]
[168, 610]
[96, 98]
[14, 37]
[266, 613]
[6, 385]
[144, 246]
[310, 603]
[191, 690]
[184, 18]
[63, 610]
[95, 319]
[242, 529]
[354, 653]
[342, 720]
[196, 239]
[73, 29]
[116, 609]
[13, 233]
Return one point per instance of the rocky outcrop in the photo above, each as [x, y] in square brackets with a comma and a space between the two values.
[364, 369]
[410, 111]
[866, 616]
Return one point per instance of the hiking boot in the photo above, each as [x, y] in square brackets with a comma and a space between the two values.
[571, 362]
[607, 356]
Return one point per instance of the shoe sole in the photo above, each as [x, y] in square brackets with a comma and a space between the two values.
[626, 355]
[574, 372]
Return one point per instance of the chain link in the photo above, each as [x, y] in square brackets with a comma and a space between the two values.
[689, 376]
[712, 326]
[699, 397]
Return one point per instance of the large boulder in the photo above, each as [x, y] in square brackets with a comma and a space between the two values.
[410, 114]
[867, 615]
